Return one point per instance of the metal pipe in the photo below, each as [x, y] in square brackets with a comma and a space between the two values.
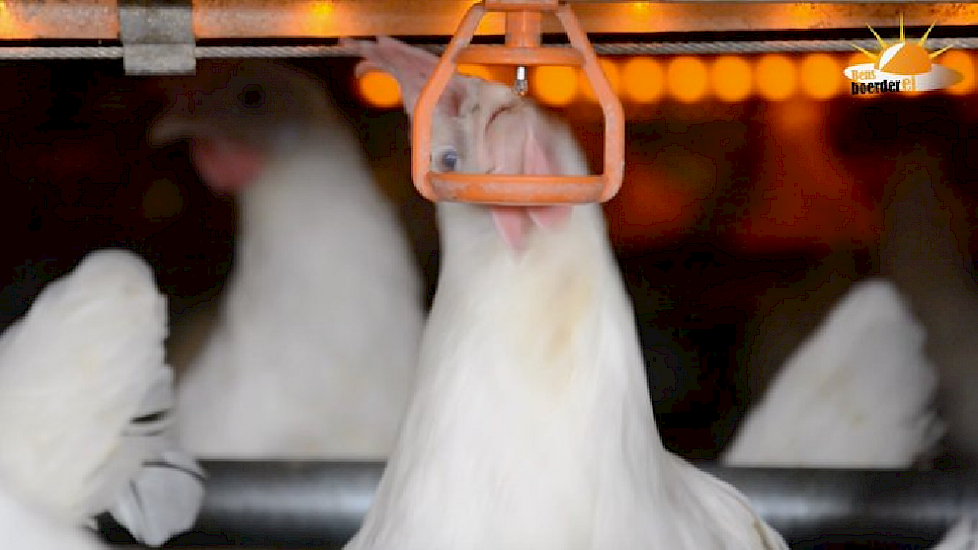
[301, 504]
[25, 53]
[807, 505]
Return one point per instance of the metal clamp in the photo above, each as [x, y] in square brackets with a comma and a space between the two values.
[157, 37]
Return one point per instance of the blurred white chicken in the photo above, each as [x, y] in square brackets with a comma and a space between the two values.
[531, 424]
[25, 527]
[315, 347]
[857, 393]
[962, 536]
[85, 399]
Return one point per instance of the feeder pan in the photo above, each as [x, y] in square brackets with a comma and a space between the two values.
[522, 48]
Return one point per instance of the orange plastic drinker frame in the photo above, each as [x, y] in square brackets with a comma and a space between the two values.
[522, 48]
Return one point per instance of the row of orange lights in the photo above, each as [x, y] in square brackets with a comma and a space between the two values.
[685, 78]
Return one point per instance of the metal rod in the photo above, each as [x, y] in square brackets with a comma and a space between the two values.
[606, 48]
[806, 505]
[322, 503]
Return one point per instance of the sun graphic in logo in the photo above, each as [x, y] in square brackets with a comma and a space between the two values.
[901, 67]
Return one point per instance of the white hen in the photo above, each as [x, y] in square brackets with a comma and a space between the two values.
[856, 394]
[24, 527]
[963, 535]
[314, 351]
[531, 425]
[85, 397]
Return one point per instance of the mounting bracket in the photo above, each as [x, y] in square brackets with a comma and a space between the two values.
[157, 37]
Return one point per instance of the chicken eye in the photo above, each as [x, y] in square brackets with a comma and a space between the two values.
[252, 96]
[448, 160]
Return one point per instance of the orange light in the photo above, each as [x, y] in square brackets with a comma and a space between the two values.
[379, 89]
[316, 17]
[642, 79]
[730, 78]
[687, 78]
[776, 78]
[821, 75]
[9, 26]
[963, 63]
[803, 15]
[321, 9]
[641, 8]
[554, 85]
[611, 72]
[478, 71]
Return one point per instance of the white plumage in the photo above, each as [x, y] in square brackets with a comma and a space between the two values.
[314, 350]
[962, 536]
[531, 425]
[856, 394]
[84, 403]
[24, 527]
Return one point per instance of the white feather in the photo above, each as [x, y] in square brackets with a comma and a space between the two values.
[531, 425]
[856, 394]
[85, 362]
[962, 536]
[24, 527]
[314, 351]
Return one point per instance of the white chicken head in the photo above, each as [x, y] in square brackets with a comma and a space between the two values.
[237, 113]
[481, 127]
